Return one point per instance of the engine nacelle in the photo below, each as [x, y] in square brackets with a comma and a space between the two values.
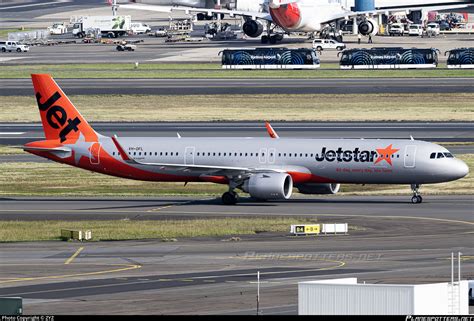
[269, 186]
[320, 189]
[252, 28]
[368, 27]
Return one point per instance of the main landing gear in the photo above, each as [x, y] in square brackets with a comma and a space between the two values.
[230, 198]
[416, 199]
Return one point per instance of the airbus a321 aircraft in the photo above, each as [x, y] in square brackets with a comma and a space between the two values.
[266, 168]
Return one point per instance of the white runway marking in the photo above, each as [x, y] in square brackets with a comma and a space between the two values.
[12, 133]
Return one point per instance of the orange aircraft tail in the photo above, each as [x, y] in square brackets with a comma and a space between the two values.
[61, 120]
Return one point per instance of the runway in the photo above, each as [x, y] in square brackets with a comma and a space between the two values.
[250, 85]
[460, 208]
[20, 133]
[390, 241]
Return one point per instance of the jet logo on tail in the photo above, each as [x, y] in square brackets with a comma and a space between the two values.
[57, 116]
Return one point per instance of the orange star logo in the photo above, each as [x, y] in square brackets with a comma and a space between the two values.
[386, 154]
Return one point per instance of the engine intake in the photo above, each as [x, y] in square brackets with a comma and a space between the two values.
[269, 186]
[368, 27]
[252, 28]
[320, 189]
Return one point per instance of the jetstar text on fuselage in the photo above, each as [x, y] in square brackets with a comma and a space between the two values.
[341, 155]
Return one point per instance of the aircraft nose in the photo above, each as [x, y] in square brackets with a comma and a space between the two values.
[459, 169]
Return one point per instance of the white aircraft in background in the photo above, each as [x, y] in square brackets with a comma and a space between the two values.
[304, 15]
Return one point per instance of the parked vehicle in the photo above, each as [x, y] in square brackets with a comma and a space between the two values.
[139, 28]
[415, 30]
[13, 46]
[109, 26]
[126, 47]
[433, 28]
[320, 44]
[444, 26]
[159, 33]
[57, 28]
[396, 29]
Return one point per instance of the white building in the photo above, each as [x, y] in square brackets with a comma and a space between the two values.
[347, 297]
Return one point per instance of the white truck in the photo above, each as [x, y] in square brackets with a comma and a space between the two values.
[57, 28]
[13, 46]
[109, 26]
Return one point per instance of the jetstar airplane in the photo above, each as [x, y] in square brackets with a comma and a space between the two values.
[266, 168]
[304, 15]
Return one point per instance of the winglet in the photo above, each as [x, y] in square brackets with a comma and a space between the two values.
[271, 131]
[122, 152]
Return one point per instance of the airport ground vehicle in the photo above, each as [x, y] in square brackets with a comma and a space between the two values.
[126, 47]
[396, 29]
[266, 168]
[139, 28]
[159, 33]
[462, 58]
[389, 58]
[270, 58]
[433, 28]
[415, 30]
[57, 28]
[109, 26]
[321, 44]
[13, 46]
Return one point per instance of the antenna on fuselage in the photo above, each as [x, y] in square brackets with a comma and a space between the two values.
[179, 136]
[411, 137]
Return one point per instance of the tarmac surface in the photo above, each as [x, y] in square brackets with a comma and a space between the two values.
[390, 241]
[23, 87]
[20, 133]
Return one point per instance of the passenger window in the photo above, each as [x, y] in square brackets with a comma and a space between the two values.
[440, 155]
[176, 153]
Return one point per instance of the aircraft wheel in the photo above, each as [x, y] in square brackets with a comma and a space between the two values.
[229, 198]
[416, 199]
[420, 199]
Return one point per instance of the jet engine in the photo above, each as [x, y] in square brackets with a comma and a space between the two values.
[269, 186]
[252, 28]
[369, 27]
[318, 188]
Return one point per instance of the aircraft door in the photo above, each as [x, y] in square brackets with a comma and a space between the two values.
[189, 155]
[410, 155]
[94, 153]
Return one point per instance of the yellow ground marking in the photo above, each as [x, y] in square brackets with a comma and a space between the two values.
[125, 267]
[69, 260]
[186, 280]
[463, 257]
[165, 280]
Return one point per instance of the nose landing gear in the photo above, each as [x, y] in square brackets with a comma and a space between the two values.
[416, 199]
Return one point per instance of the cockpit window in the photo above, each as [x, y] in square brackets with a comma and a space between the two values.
[441, 155]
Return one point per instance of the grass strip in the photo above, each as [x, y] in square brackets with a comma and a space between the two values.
[310, 107]
[53, 179]
[212, 71]
[15, 231]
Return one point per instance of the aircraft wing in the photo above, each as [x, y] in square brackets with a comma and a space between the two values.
[232, 13]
